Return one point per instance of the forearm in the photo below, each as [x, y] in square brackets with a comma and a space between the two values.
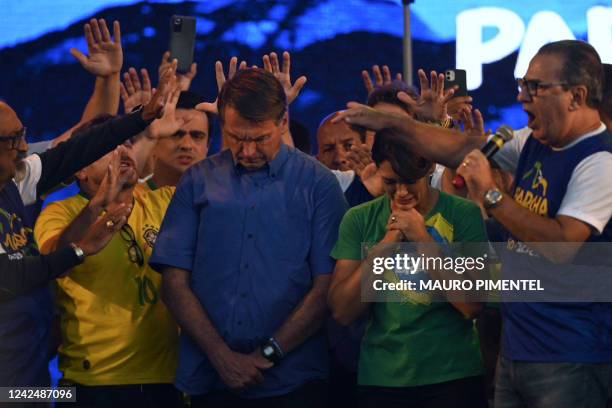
[77, 228]
[307, 318]
[532, 228]
[80, 151]
[344, 298]
[445, 146]
[20, 275]
[143, 149]
[105, 98]
[191, 316]
[430, 249]
[374, 184]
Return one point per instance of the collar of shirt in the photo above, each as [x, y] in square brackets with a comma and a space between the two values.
[273, 166]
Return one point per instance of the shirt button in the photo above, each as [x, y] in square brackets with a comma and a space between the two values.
[243, 295]
[239, 323]
[246, 266]
[252, 207]
[249, 235]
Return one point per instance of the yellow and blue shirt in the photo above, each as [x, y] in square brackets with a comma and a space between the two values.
[115, 327]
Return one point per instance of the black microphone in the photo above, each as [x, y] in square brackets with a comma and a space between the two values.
[502, 135]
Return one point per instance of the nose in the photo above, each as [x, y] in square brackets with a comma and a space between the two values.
[339, 156]
[23, 145]
[186, 143]
[401, 190]
[523, 95]
[249, 149]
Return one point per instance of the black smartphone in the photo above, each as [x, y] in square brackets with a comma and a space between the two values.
[182, 41]
[454, 77]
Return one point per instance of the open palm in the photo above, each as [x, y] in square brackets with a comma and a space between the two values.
[105, 54]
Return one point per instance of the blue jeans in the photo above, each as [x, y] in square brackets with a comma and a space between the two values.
[551, 385]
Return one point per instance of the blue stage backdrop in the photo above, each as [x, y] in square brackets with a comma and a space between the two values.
[331, 41]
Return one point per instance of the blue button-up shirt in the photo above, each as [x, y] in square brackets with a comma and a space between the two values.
[253, 241]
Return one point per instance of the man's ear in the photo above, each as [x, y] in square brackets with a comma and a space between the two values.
[579, 97]
[285, 120]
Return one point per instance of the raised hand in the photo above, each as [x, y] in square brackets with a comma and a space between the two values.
[359, 158]
[111, 185]
[105, 53]
[133, 91]
[381, 78]
[432, 104]
[458, 104]
[211, 107]
[364, 116]
[101, 232]
[168, 124]
[167, 85]
[184, 80]
[473, 123]
[271, 64]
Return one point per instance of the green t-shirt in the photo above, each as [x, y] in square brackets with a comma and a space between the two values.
[415, 342]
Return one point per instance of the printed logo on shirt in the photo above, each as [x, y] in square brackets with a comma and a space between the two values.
[534, 198]
[149, 234]
[14, 237]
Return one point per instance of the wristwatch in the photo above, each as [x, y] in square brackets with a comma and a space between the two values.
[272, 351]
[78, 252]
[492, 198]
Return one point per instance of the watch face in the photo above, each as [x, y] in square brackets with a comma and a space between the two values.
[492, 197]
[268, 351]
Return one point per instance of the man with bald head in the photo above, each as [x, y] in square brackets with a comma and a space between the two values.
[25, 304]
[335, 141]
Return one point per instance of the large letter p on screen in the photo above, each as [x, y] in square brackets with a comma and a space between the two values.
[472, 51]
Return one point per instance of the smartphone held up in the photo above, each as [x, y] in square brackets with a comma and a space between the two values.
[182, 41]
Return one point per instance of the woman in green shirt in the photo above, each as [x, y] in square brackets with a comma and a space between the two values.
[415, 353]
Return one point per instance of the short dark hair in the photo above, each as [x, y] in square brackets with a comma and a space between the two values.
[189, 100]
[405, 163]
[388, 94]
[581, 66]
[256, 94]
[606, 100]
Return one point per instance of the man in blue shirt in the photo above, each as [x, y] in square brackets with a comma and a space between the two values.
[244, 251]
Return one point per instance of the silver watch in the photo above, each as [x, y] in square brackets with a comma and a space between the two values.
[78, 252]
[492, 198]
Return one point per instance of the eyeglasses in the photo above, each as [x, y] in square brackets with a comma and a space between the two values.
[14, 141]
[532, 86]
[134, 252]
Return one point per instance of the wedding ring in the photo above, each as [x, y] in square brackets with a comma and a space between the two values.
[110, 224]
[393, 218]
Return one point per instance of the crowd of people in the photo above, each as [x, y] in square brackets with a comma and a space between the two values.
[171, 277]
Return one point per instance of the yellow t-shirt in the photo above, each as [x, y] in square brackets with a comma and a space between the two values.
[143, 187]
[115, 327]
